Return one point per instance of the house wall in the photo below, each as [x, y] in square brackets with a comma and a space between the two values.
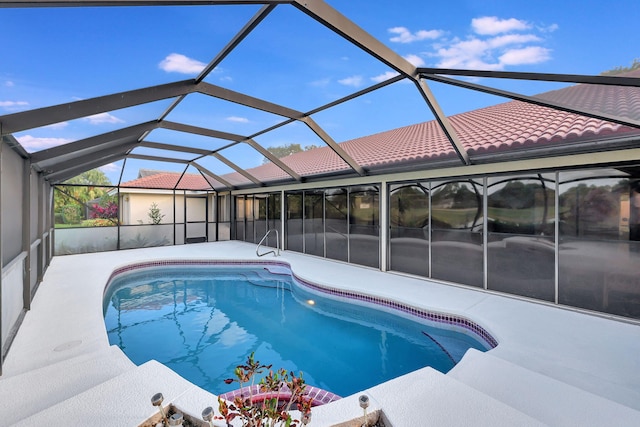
[569, 236]
[135, 207]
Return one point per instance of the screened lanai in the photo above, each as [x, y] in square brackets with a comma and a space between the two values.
[519, 182]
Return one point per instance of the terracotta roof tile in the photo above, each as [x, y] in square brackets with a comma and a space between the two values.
[314, 162]
[168, 180]
[422, 141]
[620, 101]
[515, 124]
[306, 163]
[500, 128]
[503, 127]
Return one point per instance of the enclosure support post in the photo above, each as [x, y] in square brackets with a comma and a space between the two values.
[485, 233]
[41, 215]
[1, 246]
[383, 228]
[26, 232]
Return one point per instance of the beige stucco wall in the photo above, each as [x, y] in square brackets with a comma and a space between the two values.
[135, 208]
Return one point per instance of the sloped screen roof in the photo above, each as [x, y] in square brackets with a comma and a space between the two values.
[208, 127]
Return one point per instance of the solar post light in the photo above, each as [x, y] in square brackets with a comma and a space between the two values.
[176, 420]
[156, 400]
[207, 415]
[363, 400]
[306, 418]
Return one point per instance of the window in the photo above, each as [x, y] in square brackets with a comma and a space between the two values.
[457, 232]
[337, 223]
[293, 223]
[409, 228]
[599, 249]
[521, 235]
[364, 226]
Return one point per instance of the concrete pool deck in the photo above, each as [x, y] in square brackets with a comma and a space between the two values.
[552, 366]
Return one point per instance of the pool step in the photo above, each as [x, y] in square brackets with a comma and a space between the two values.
[124, 400]
[87, 354]
[425, 398]
[41, 388]
[553, 402]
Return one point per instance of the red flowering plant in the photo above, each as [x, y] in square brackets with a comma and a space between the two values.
[279, 393]
[102, 214]
[109, 210]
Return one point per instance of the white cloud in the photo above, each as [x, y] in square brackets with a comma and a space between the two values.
[237, 119]
[12, 105]
[9, 83]
[415, 60]
[98, 119]
[177, 63]
[462, 54]
[480, 54]
[56, 126]
[111, 167]
[406, 36]
[355, 81]
[491, 25]
[495, 45]
[382, 77]
[32, 143]
[549, 28]
[512, 39]
[527, 55]
[321, 82]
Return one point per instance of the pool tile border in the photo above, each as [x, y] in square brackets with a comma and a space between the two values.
[318, 396]
[432, 316]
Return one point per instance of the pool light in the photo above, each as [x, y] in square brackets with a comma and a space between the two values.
[311, 302]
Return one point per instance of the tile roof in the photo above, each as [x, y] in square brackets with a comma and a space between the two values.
[619, 101]
[168, 180]
[514, 125]
[147, 172]
[501, 128]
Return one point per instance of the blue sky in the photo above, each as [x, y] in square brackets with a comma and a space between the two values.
[53, 56]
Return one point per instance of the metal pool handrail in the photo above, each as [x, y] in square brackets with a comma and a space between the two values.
[277, 244]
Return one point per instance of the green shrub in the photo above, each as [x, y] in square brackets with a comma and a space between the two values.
[72, 214]
[58, 218]
[155, 215]
[99, 222]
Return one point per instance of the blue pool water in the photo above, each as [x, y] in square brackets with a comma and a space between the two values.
[204, 321]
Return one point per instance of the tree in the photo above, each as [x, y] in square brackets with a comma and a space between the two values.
[71, 200]
[90, 177]
[90, 186]
[621, 69]
[286, 150]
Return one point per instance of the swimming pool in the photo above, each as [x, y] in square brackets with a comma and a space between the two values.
[202, 319]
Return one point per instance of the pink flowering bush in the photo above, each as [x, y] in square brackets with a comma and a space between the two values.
[109, 210]
[273, 408]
